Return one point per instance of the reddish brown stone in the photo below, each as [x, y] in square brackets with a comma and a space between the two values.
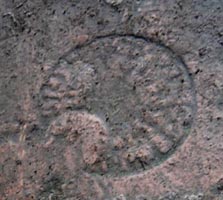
[111, 100]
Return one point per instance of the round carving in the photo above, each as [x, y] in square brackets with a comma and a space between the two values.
[126, 101]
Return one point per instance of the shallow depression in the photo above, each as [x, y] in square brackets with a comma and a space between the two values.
[139, 89]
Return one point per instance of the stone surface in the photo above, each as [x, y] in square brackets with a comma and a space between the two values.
[114, 2]
[109, 100]
[132, 85]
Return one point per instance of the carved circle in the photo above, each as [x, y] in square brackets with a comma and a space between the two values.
[129, 103]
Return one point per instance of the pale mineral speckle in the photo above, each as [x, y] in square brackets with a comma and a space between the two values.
[114, 2]
[120, 197]
[199, 196]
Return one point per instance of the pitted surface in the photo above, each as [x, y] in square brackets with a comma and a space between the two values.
[140, 90]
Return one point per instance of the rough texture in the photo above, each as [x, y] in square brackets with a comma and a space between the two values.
[111, 100]
[114, 2]
[131, 84]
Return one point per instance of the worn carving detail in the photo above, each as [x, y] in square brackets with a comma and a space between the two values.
[128, 102]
